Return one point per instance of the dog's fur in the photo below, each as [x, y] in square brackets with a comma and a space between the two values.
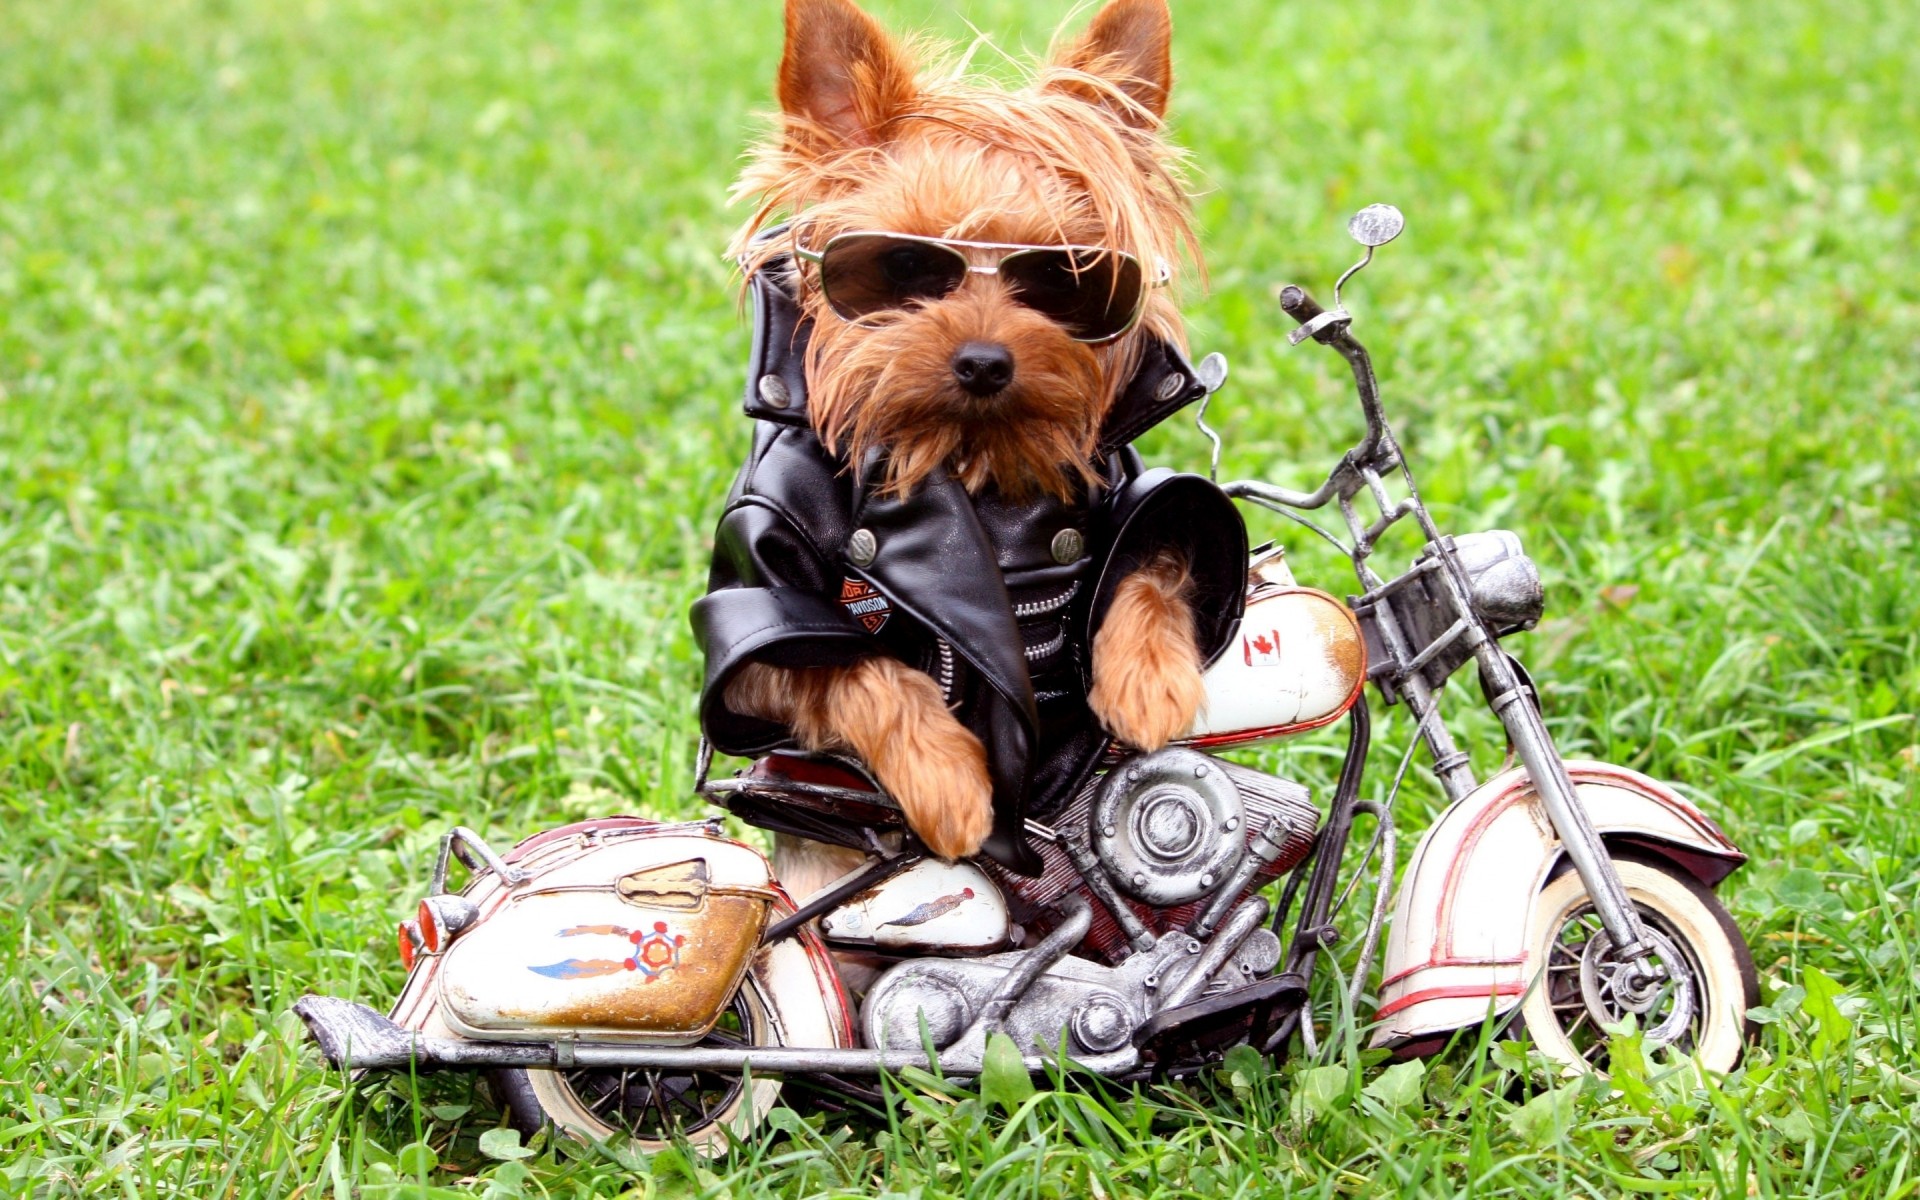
[1074, 157]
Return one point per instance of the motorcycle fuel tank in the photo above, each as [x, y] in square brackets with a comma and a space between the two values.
[1299, 663]
[642, 939]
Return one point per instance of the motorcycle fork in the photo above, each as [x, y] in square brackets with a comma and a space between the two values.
[1554, 787]
[1512, 701]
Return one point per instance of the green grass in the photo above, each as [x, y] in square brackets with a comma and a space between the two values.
[368, 383]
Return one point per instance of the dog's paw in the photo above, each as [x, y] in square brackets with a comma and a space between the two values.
[896, 720]
[1149, 701]
[1146, 667]
[938, 773]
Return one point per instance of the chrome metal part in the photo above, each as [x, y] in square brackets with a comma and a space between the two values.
[1269, 566]
[1376, 225]
[823, 791]
[1552, 783]
[1258, 955]
[473, 852]
[1382, 896]
[1269, 842]
[1102, 1024]
[1045, 1003]
[1245, 920]
[443, 917]
[354, 1037]
[1165, 825]
[1373, 226]
[1075, 917]
[702, 764]
[1095, 876]
[1037, 997]
[1503, 583]
[1212, 375]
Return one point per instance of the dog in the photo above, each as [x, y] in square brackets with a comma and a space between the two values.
[981, 269]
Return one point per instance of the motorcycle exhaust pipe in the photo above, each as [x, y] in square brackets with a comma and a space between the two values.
[354, 1037]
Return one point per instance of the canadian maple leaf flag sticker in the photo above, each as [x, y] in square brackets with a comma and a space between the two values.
[1261, 649]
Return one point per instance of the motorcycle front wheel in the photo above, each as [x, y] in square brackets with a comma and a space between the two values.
[646, 1109]
[1699, 1008]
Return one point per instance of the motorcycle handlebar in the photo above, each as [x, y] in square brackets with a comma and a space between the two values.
[1295, 302]
[1375, 451]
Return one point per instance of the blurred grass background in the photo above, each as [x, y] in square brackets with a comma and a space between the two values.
[368, 380]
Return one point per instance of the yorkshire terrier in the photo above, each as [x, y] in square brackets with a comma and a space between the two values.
[991, 379]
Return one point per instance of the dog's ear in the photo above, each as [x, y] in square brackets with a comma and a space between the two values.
[1129, 46]
[841, 78]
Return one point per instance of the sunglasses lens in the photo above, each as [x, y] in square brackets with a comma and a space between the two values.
[1093, 294]
[862, 274]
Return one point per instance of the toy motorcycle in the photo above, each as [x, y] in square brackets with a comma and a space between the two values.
[625, 979]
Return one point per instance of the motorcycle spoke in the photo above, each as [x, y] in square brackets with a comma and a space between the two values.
[653, 1104]
[1576, 987]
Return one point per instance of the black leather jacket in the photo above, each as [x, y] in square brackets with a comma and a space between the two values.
[997, 601]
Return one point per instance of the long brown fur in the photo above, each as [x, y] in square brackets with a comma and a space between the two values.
[868, 141]
[1146, 663]
[894, 719]
[1074, 157]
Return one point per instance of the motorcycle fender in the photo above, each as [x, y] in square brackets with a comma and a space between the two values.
[1462, 924]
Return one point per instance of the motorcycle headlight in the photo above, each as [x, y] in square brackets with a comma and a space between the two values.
[1504, 583]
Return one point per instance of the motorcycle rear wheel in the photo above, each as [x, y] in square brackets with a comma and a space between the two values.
[1702, 1007]
[645, 1110]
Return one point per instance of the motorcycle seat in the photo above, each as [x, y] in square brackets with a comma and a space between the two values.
[822, 797]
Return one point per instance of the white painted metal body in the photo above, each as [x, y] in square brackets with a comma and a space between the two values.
[930, 906]
[1299, 663]
[1461, 923]
[481, 987]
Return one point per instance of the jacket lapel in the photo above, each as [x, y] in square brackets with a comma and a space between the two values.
[1163, 383]
[933, 561]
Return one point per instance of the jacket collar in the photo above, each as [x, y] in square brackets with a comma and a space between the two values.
[1164, 382]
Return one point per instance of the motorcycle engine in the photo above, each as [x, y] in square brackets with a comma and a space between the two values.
[1167, 828]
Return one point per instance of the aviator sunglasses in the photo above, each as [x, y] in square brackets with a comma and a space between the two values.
[1093, 292]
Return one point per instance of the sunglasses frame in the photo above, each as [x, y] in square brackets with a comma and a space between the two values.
[1162, 276]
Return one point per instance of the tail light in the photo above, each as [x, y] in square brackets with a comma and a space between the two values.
[441, 919]
[409, 938]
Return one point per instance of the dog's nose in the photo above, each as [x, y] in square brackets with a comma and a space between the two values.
[983, 368]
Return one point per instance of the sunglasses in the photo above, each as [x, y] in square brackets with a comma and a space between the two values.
[1094, 293]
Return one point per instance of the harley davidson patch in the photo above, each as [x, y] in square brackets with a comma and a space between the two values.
[866, 604]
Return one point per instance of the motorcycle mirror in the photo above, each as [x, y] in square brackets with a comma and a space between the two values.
[1376, 225]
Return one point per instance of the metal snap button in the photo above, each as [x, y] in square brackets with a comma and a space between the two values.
[862, 547]
[1068, 546]
[773, 390]
[1172, 385]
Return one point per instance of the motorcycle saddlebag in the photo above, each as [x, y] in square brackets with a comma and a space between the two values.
[640, 939]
